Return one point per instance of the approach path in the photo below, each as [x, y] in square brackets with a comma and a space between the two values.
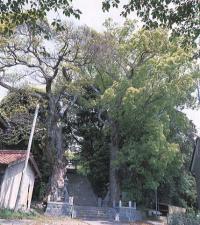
[99, 222]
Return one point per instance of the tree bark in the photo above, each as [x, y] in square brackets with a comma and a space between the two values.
[114, 184]
[55, 150]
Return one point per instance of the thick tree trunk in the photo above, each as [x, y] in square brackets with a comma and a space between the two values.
[55, 151]
[57, 181]
[114, 184]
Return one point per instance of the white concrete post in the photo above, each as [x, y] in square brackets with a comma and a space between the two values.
[49, 198]
[129, 204]
[117, 217]
[73, 213]
[71, 200]
[120, 203]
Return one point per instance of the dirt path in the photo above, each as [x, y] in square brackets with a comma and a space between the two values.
[101, 222]
[43, 221]
[66, 221]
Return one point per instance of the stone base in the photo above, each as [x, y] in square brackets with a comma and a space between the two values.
[59, 209]
[104, 213]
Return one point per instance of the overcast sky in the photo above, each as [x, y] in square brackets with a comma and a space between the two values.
[93, 16]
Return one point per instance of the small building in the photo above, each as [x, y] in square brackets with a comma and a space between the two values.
[11, 167]
[195, 167]
[167, 209]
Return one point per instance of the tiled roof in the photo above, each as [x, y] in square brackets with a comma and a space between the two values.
[10, 156]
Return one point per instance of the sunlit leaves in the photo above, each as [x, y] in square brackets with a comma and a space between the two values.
[180, 16]
[152, 78]
[28, 11]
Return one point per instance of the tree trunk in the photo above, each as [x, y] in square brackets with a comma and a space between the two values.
[55, 151]
[57, 181]
[114, 184]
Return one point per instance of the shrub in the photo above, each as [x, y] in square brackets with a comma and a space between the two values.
[10, 214]
[184, 219]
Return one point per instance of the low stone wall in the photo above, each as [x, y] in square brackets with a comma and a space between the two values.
[129, 214]
[59, 209]
[118, 213]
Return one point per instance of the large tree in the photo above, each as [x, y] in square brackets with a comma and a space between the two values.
[56, 64]
[140, 79]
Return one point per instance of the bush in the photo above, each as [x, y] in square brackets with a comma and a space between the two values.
[184, 219]
[10, 214]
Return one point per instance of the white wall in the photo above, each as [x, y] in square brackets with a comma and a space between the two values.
[27, 188]
[10, 186]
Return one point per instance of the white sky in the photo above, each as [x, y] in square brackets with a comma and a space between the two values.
[93, 16]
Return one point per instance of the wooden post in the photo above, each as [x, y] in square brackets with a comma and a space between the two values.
[18, 203]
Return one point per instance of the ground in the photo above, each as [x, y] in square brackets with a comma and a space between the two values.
[43, 221]
[67, 221]
[115, 223]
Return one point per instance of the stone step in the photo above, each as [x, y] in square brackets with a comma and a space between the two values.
[93, 212]
[80, 188]
[101, 213]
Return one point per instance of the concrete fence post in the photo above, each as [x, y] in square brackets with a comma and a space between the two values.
[99, 202]
[134, 205]
[117, 217]
[129, 204]
[120, 203]
[71, 200]
[48, 198]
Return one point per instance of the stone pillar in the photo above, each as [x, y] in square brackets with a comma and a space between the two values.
[117, 217]
[48, 198]
[99, 202]
[71, 200]
[120, 203]
[66, 194]
[129, 204]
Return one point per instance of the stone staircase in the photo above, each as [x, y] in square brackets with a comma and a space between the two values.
[86, 212]
[80, 188]
[85, 204]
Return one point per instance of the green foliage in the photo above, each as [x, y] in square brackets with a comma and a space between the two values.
[152, 78]
[180, 16]
[183, 14]
[14, 13]
[139, 79]
[94, 155]
[10, 214]
[184, 219]
[70, 155]
[18, 108]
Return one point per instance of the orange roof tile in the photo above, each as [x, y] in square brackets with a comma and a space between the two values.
[9, 156]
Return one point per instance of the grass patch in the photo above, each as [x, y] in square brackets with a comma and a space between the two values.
[11, 214]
